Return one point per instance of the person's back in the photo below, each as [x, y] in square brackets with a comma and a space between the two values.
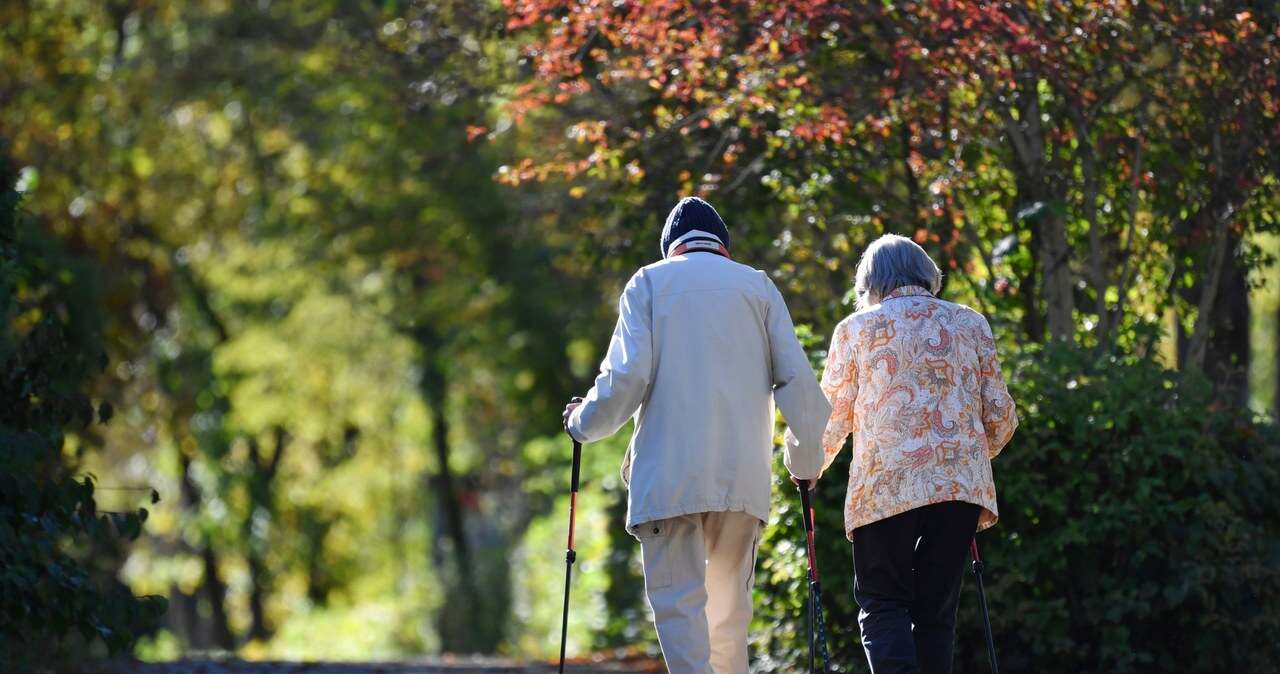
[711, 364]
[929, 421]
[917, 383]
[702, 349]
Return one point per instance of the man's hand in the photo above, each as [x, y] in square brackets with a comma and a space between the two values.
[568, 409]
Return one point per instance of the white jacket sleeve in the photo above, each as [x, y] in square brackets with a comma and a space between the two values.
[624, 376]
[796, 391]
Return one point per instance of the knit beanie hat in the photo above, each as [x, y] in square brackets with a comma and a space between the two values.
[693, 220]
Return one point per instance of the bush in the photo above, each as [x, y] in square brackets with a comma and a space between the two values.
[52, 593]
[1139, 532]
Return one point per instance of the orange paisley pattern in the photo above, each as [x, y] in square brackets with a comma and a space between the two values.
[916, 382]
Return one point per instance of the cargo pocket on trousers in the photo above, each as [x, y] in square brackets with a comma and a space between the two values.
[655, 551]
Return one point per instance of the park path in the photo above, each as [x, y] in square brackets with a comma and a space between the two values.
[438, 666]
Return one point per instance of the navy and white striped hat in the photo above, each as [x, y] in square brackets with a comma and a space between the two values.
[692, 220]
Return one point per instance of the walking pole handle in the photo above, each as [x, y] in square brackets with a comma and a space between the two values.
[807, 517]
[807, 510]
[577, 463]
[571, 554]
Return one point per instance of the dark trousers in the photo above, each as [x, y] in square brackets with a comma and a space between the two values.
[907, 572]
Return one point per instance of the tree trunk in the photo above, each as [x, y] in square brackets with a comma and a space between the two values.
[257, 592]
[215, 590]
[216, 593]
[315, 531]
[253, 553]
[1055, 259]
[261, 504]
[445, 479]
[183, 617]
[1099, 277]
[1227, 358]
[1049, 237]
[457, 632]
[1198, 344]
[1028, 291]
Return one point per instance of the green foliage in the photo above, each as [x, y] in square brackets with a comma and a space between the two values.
[782, 582]
[340, 347]
[51, 594]
[1138, 532]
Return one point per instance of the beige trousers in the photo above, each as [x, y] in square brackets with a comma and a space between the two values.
[698, 572]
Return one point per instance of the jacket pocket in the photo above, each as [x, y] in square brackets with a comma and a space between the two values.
[625, 471]
[655, 550]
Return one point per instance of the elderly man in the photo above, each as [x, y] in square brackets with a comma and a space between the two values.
[916, 381]
[702, 349]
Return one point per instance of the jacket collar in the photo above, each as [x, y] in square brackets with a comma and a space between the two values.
[907, 291]
[699, 246]
[697, 239]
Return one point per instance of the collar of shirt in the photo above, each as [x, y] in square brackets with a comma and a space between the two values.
[700, 247]
[907, 291]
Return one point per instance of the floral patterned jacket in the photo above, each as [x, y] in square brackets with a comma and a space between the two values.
[916, 381]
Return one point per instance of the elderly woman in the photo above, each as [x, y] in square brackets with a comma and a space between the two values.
[915, 380]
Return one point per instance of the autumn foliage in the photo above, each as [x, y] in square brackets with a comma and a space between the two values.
[1061, 124]
[338, 347]
[1093, 173]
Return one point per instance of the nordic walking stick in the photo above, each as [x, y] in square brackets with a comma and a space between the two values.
[982, 601]
[570, 555]
[817, 626]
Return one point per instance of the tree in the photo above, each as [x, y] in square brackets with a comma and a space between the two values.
[1079, 170]
[253, 181]
[353, 258]
[58, 598]
[963, 123]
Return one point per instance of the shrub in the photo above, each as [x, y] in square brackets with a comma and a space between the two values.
[52, 594]
[1139, 532]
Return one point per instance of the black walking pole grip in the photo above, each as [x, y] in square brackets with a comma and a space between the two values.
[577, 464]
[807, 510]
[982, 602]
[570, 554]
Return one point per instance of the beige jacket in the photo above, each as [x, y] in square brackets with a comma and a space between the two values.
[916, 381]
[702, 349]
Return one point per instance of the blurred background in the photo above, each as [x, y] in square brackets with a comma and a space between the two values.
[294, 292]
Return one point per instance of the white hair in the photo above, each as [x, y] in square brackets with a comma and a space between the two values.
[891, 262]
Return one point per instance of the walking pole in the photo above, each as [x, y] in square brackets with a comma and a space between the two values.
[570, 555]
[982, 601]
[817, 626]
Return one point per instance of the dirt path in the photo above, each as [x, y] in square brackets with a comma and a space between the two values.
[438, 666]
